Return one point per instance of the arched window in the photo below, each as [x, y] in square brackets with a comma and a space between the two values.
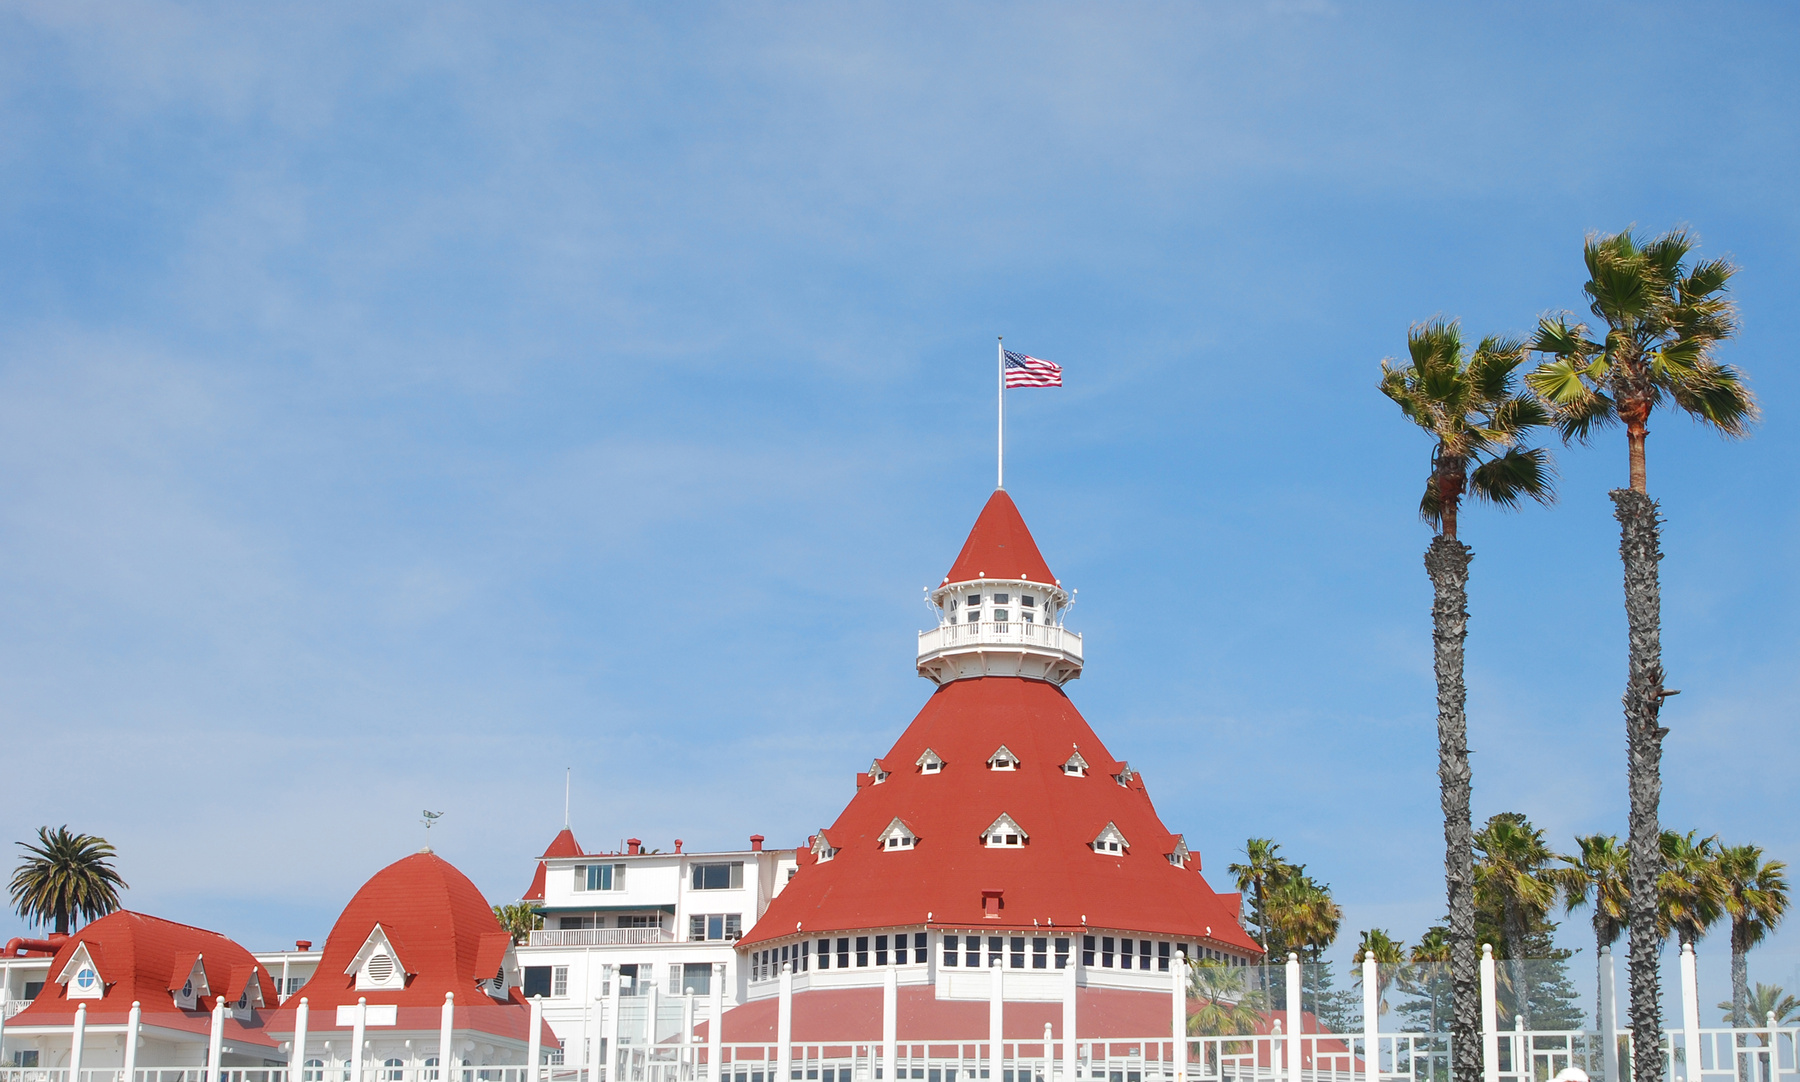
[393, 1070]
[430, 1073]
[313, 1071]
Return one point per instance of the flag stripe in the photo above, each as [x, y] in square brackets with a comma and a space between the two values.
[1023, 370]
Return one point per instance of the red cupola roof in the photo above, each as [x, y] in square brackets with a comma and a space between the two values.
[148, 959]
[1000, 547]
[1064, 791]
[563, 845]
[444, 937]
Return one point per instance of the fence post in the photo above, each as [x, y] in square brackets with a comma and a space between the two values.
[1293, 1017]
[133, 1026]
[296, 1050]
[611, 1040]
[1371, 975]
[1178, 995]
[1070, 982]
[446, 1042]
[215, 1046]
[534, 1039]
[715, 1027]
[1609, 1014]
[78, 1036]
[1690, 1011]
[890, 1021]
[1490, 1034]
[784, 1026]
[358, 1036]
[996, 1020]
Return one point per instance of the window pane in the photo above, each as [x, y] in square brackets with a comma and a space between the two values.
[1001, 599]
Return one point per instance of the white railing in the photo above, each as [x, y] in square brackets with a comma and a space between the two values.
[1001, 633]
[600, 937]
[13, 1006]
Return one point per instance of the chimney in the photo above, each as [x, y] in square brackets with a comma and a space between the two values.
[756, 841]
[678, 845]
[991, 904]
[303, 945]
[633, 845]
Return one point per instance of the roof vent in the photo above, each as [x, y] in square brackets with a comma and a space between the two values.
[381, 969]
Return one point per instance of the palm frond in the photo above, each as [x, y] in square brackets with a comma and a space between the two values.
[1520, 472]
[1717, 395]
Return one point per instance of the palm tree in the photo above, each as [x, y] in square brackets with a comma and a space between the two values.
[1597, 878]
[1469, 406]
[1302, 915]
[1514, 873]
[1390, 962]
[1263, 864]
[519, 919]
[1227, 1006]
[1767, 999]
[1691, 889]
[1663, 323]
[65, 876]
[1430, 958]
[1756, 898]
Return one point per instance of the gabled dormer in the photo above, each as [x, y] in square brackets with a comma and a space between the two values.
[877, 773]
[82, 975]
[1124, 776]
[930, 762]
[249, 998]
[1004, 833]
[187, 987]
[496, 964]
[377, 966]
[898, 837]
[1003, 759]
[822, 849]
[1075, 766]
[1110, 842]
[1179, 855]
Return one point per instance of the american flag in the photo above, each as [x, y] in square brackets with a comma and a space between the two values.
[1025, 371]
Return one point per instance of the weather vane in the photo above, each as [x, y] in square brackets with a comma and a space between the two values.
[430, 818]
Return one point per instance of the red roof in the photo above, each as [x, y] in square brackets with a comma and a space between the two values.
[1054, 878]
[854, 1014]
[446, 937]
[563, 845]
[1000, 547]
[143, 958]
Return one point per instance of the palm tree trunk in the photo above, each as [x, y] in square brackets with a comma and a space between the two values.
[1447, 562]
[1640, 547]
[1740, 974]
[1635, 432]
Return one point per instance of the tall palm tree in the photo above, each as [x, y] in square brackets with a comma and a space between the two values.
[1514, 873]
[1470, 407]
[1390, 962]
[1691, 889]
[1767, 999]
[1430, 959]
[65, 876]
[1756, 898]
[1227, 1005]
[1597, 878]
[1302, 915]
[1263, 864]
[1663, 324]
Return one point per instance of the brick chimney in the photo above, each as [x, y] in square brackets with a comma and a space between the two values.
[633, 846]
[756, 841]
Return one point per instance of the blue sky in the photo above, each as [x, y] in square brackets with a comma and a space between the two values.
[400, 406]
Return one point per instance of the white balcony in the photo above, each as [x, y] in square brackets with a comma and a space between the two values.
[999, 648]
[600, 937]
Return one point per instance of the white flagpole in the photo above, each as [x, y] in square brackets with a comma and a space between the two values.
[1000, 357]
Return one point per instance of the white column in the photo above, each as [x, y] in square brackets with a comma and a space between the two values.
[1690, 1011]
[890, 1022]
[215, 1043]
[358, 1033]
[1294, 1027]
[78, 1037]
[1609, 1014]
[534, 1041]
[134, 1023]
[1490, 1026]
[612, 1022]
[297, 1050]
[688, 1053]
[446, 1049]
[784, 1025]
[996, 1017]
[715, 1029]
[1371, 977]
[1070, 983]
[1178, 1006]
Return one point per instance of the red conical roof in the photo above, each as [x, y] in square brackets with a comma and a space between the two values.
[1055, 878]
[563, 845]
[1000, 547]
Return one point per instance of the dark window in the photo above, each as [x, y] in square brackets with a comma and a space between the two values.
[919, 947]
[1028, 601]
[1087, 950]
[1143, 954]
[972, 951]
[950, 950]
[881, 950]
[824, 954]
[566, 923]
[1106, 952]
[1162, 957]
[1062, 954]
[719, 876]
[972, 617]
[32, 988]
[996, 949]
[862, 951]
[696, 978]
[1001, 599]
[1040, 953]
[1000, 616]
[537, 981]
[974, 599]
[1017, 949]
[843, 954]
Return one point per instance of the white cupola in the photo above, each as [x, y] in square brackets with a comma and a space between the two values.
[1000, 610]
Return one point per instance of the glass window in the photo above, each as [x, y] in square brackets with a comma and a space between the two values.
[972, 617]
[824, 954]
[950, 950]
[974, 599]
[919, 947]
[1028, 601]
[1062, 954]
[1000, 616]
[1040, 952]
[1106, 951]
[1087, 950]
[881, 950]
[862, 951]
[996, 949]
[537, 981]
[972, 951]
[696, 978]
[559, 981]
[1016, 949]
[843, 953]
[719, 876]
[1002, 599]
[1027, 617]
[1162, 957]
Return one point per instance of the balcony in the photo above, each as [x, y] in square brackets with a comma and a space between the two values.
[600, 937]
[999, 648]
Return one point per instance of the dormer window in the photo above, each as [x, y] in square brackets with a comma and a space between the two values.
[1075, 766]
[876, 774]
[187, 994]
[822, 850]
[377, 964]
[1003, 760]
[81, 976]
[1179, 856]
[930, 762]
[1004, 833]
[897, 837]
[1110, 842]
[1123, 777]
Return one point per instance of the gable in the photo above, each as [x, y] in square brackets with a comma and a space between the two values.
[377, 964]
[81, 975]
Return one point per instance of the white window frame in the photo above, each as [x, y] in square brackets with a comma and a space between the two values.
[930, 762]
[1003, 759]
[1110, 842]
[1007, 829]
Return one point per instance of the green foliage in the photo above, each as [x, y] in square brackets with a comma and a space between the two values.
[65, 876]
[1227, 1004]
[1690, 890]
[1768, 999]
[519, 919]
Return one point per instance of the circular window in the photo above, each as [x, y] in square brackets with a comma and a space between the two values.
[86, 979]
[187, 990]
[381, 967]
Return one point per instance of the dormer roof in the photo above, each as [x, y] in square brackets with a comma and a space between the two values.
[1000, 547]
[1003, 758]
